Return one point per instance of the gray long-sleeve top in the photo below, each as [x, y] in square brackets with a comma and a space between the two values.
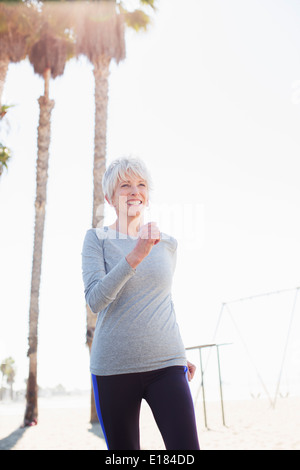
[136, 329]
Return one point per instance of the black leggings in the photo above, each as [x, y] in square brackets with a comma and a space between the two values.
[118, 400]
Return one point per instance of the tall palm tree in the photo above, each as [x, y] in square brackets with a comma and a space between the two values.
[48, 57]
[100, 35]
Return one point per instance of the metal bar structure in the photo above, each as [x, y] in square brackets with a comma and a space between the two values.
[225, 305]
[217, 346]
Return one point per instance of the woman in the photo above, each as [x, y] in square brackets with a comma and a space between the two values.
[137, 351]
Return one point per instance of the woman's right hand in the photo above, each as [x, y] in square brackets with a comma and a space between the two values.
[149, 236]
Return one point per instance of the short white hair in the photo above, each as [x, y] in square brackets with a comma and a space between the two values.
[119, 169]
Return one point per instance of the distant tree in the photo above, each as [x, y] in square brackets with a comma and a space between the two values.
[8, 371]
[5, 155]
[5, 152]
[2, 369]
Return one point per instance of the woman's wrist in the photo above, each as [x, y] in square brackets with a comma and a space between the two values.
[133, 259]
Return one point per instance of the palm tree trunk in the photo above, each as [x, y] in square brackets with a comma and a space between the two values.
[46, 106]
[3, 71]
[101, 74]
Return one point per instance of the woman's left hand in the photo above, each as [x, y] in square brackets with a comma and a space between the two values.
[191, 370]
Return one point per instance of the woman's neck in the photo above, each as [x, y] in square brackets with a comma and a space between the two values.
[128, 225]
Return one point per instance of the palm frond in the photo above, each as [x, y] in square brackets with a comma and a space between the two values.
[136, 19]
[100, 31]
[5, 155]
[49, 52]
[151, 3]
[3, 110]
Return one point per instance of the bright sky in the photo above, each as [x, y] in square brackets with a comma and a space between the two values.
[210, 99]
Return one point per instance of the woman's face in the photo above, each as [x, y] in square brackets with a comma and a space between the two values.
[131, 196]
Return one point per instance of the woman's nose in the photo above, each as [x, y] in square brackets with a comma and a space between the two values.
[134, 190]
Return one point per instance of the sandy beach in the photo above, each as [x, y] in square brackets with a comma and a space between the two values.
[64, 425]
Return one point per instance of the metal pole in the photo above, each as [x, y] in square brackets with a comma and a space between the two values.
[286, 346]
[202, 386]
[220, 381]
[203, 389]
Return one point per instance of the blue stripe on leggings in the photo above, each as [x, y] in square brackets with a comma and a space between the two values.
[186, 374]
[97, 403]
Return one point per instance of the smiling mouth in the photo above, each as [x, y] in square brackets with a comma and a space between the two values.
[134, 203]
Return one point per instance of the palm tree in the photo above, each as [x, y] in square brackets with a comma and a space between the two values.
[100, 35]
[15, 33]
[48, 57]
[16, 23]
[8, 370]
